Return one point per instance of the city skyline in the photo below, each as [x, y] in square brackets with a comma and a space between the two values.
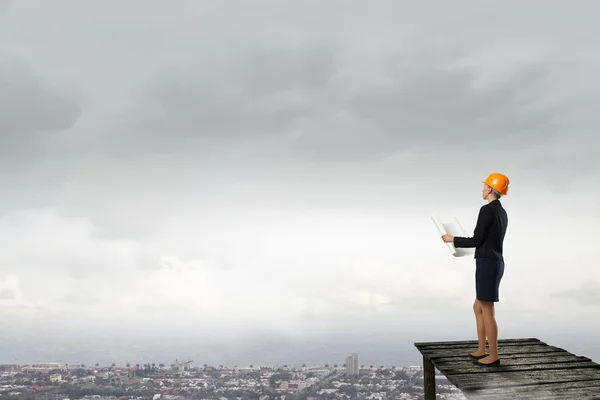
[52, 382]
[254, 183]
[190, 364]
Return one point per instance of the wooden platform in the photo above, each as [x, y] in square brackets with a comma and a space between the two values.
[530, 369]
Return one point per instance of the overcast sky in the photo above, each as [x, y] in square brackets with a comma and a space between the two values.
[215, 172]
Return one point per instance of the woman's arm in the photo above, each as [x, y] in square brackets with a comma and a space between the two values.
[480, 233]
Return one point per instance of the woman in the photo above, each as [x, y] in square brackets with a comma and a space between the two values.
[488, 239]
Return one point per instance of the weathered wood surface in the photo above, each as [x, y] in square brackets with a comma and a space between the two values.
[525, 351]
[474, 342]
[568, 390]
[468, 345]
[530, 369]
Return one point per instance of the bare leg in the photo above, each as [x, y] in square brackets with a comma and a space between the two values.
[491, 329]
[480, 329]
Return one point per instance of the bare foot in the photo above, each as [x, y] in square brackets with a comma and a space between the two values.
[478, 353]
[488, 360]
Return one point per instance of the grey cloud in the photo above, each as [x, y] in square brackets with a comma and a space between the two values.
[260, 99]
[34, 179]
[5, 6]
[249, 96]
[157, 258]
[412, 97]
[7, 294]
[454, 303]
[433, 107]
[26, 307]
[210, 106]
[34, 114]
[147, 261]
[165, 309]
[66, 264]
[569, 159]
[79, 297]
[81, 271]
[587, 295]
[143, 192]
[186, 260]
[30, 107]
[301, 100]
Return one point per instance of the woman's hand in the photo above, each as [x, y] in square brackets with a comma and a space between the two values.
[447, 238]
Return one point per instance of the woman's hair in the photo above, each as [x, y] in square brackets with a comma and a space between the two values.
[496, 193]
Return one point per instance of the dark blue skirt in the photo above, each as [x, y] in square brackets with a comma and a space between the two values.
[488, 274]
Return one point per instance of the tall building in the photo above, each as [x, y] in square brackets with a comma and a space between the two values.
[352, 365]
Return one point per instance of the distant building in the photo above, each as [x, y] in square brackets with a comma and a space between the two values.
[10, 368]
[352, 365]
[46, 367]
[293, 385]
[180, 366]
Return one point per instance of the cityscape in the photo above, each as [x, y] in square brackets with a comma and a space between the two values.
[183, 379]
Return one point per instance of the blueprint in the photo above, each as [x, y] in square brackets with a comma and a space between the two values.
[453, 228]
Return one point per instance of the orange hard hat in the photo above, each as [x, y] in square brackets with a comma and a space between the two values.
[498, 182]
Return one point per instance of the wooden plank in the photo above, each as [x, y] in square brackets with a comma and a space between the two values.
[587, 394]
[501, 351]
[510, 346]
[507, 379]
[467, 361]
[476, 369]
[519, 356]
[475, 342]
[563, 396]
[428, 379]
[582, 390]
[474, 345]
